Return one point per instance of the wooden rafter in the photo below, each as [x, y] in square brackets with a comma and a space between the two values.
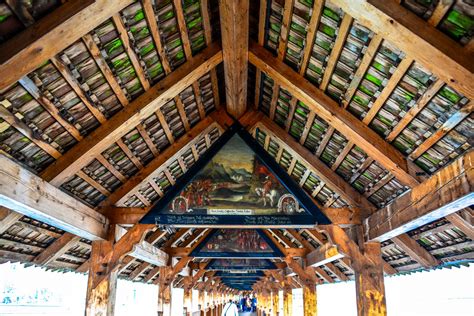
[144, 106]
[25, 52]
[340, 119]
[420, 41]
[446, 192]
[26, 193]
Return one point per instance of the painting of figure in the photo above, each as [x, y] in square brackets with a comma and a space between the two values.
[234, 182]
[248, 265]
[235, 241]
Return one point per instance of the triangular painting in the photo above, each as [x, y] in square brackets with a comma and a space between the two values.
[237, 243]
[240, 265]
[235, 183]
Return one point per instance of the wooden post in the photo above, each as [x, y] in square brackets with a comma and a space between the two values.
[100, 299]
[275, 303]
[370, 287]
[287, 301]
[309, 300]
[164, 293]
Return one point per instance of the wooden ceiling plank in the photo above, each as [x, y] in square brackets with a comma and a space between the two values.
[59, 247]
[147, 139]
[347, 124]
[99, 187]
[182, 113]
[123, 34]
[129, 154]
[138, 271]
[273, 104]
[155, 33]
[111, 168]
[25, 52]
[291, 113]
[344, 29]
[66, 73]
[307, 127]
[439, 12]
[208, 35]
[447, 126]
[285, 28]
[420, 105]
[415, 251]
[234, 22]
[398, 74]
[105, 69]
[26, 131]
[32, 89]
[21, 12]
[337, 272]
[445, 192]
[313, 25]
[182, 28]
[197, 96]
[26, 193]
[419, 40]
[142, 107]
[369, 55]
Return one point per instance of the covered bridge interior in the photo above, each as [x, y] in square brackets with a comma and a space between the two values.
[366, 106]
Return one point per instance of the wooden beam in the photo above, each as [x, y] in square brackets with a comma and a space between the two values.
[59, 247]
[234, 17]
[415, 251]
[26, 193]
[444, 193]
[8, 218]
[355, 130]
[25, 52]
[323, 255]
[149, 253]
[420, 41]
[462, 224]
[141, 108]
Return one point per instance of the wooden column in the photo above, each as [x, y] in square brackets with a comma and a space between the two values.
[275, 303]
[309, 300]
[370, 287]
[164, 295]
[100, 299]
[287, 301]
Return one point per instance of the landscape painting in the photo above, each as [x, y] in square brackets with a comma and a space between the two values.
[236, 243]
[241, 265]
[235, 182]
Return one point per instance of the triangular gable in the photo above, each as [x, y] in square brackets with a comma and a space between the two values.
[235, 183]
[236, 243]
[241, 265]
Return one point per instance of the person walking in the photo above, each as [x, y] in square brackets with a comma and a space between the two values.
[230, 309]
